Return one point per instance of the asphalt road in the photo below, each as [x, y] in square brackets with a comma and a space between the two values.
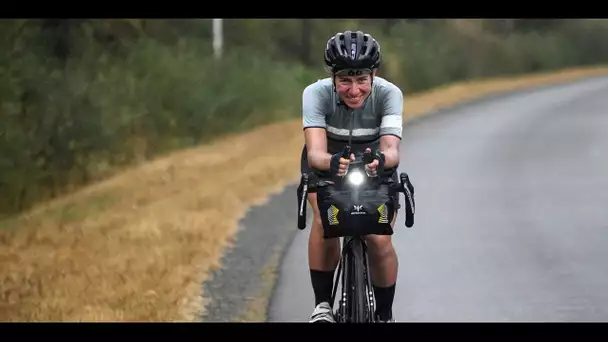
[512, 214]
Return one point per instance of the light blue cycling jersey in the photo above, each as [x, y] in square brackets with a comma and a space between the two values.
[381, 114]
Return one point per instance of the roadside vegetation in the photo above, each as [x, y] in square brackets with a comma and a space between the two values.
[113, 135]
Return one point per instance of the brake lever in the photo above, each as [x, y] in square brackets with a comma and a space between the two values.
[409, 197]
[302, 202]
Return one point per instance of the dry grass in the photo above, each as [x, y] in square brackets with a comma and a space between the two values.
[137, 247]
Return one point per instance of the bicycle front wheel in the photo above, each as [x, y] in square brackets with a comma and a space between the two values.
[360, 309]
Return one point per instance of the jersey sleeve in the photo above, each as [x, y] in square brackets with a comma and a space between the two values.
[312, 107]
[392, 117]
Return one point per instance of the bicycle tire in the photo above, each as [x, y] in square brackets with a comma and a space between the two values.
[360, 309]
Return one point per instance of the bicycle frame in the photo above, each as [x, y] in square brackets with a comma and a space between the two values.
[357, 301]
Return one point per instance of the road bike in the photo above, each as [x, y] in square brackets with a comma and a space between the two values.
[356, 302]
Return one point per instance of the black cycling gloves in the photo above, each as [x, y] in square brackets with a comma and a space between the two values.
[381, 159]
[334, 164]
[368, 157]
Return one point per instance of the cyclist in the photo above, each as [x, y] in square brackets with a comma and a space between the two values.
[352, 95]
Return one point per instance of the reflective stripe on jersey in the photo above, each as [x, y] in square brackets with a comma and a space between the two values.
[381, 114]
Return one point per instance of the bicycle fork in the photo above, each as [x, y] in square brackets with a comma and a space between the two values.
[345, 277]
[342, 305]
[370, 293]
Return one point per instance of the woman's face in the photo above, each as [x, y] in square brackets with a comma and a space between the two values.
[353, 89]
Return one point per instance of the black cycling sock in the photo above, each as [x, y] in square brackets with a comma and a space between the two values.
[322, 285]
[384, 301]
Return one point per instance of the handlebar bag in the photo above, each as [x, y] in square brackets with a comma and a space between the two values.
[359, 212]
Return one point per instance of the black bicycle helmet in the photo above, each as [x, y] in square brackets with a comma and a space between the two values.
[352, 50]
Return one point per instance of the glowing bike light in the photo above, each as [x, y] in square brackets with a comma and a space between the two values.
[355, 178]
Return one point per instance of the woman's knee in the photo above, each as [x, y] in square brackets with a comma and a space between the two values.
[380, 245]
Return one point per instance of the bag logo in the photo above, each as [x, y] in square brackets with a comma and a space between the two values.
[358, 210]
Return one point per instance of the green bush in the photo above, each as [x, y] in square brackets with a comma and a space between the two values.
[103, 111]
[80, 99]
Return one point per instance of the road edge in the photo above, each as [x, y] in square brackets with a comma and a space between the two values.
[258, 253]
